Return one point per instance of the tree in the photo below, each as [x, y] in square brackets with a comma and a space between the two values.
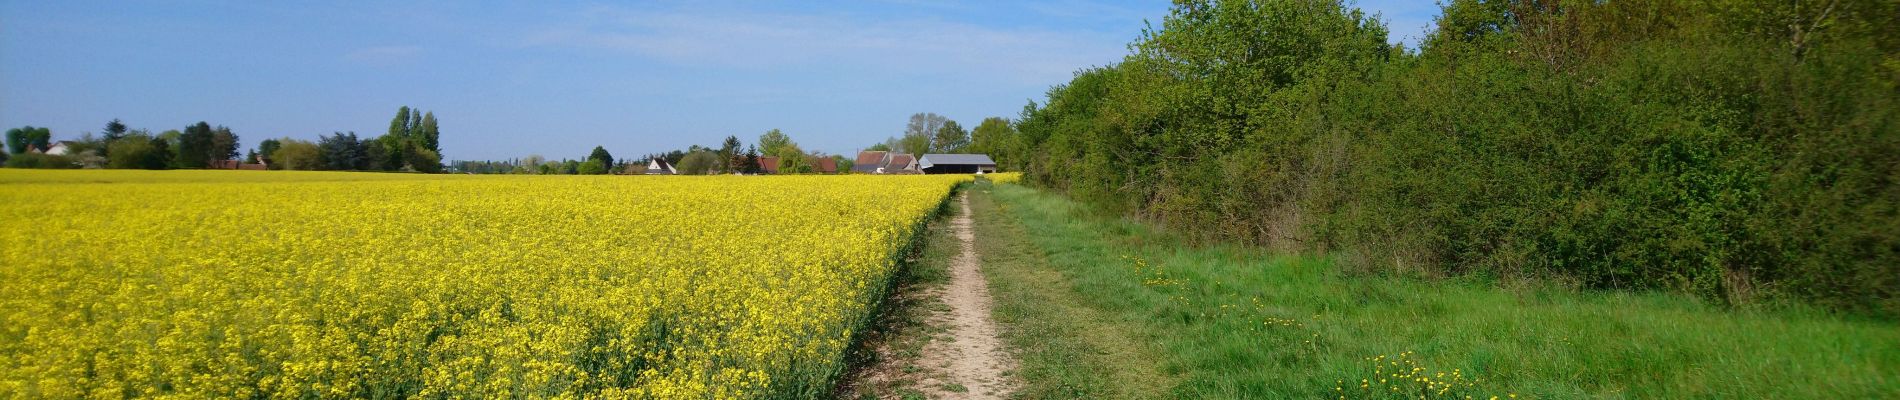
[195, 146]
[162, 152]
[878, 147]
[264, 151]
[41, 160]
[600, 154]
[994, 137]
[342, 152]
[914, 144]
[951, 138]
[114, 131]
[28, 137]
[428, 136]
[729, 153]
[400, 125]
[293, 154]
[135, 152]
[772, 141]
[791, 160]
[698, 163]
[224, 144]
[592, 167]
[424, 161]
[844, 164]
[752, 161]
[918, 133]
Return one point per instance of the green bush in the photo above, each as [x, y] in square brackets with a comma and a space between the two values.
[1695, 146]
[40, 160]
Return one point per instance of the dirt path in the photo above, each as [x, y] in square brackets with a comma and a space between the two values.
[972, 357]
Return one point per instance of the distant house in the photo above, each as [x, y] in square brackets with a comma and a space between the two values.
[901, 163]
[869, 161]
[824, 165]
[59, 148]
[956, 164]
[659, 166]
[884, 162]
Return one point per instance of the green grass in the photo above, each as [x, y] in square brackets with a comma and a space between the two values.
[1104, 307]
[904, 327]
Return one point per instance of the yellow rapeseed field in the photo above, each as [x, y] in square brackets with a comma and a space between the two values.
[242, 284]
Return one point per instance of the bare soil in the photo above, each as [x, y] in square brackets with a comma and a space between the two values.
[973, 358]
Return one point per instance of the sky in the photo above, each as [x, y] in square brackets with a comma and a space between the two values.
[510, 79]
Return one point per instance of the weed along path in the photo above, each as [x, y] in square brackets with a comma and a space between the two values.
[974, 363]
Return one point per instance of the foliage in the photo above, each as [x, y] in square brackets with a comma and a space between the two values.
[1101, 306]
[995, 137]
[28, 137]
[920, 132]
[591, 167]
[731, 160]
[951, 138]
[265, 149]
[293, 154]
[602, 157]
[1736, 150]
[698, 163]
[343, 152]
[138, 151]
[41, 160]
[224, 144]
[773, 142]
[293, 285]
[194, 146]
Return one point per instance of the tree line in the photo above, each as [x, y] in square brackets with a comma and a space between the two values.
[732, 156]
[412, 144]
[1737, 150]
[928, 133]
[197, 146]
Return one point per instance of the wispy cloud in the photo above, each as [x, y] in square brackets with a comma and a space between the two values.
[747, 40]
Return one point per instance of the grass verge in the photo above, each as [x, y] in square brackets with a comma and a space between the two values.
[1104, 307]
[885, 364]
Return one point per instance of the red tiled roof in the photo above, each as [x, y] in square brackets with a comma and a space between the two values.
[900, 161]
[870, 157]
[825, 165]
[769, 164]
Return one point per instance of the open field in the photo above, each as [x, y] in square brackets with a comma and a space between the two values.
[296, 285]
[1105, 307]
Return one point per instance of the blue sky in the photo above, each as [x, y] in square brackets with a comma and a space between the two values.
[509, 79]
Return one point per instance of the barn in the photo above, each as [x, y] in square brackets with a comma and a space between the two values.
[956, 163]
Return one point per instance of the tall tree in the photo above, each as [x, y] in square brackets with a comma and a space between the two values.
[752, 161]
[772, 141]
[600, 154]
[950, 138]
[342, 152]
[399, 126]
[195, 146]
[994, 137]
[791, 160]
[26, 137]
[114, 130]
[224, 144]
[920, 129]
[265, 149]
[428, 135]
[729, 155]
